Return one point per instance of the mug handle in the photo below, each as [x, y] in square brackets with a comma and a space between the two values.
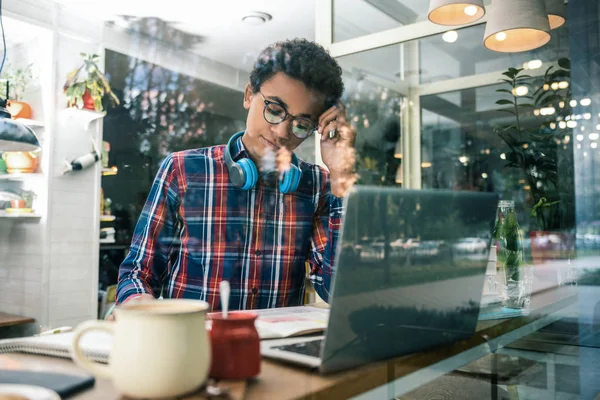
[97, 369]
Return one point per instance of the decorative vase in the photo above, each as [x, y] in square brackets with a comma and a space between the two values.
[20, 162]
[88, 101]
[518, 279]
[19, 109]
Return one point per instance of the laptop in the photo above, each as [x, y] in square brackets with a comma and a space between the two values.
[405, 281]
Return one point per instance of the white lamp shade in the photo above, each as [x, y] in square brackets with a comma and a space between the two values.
[516, 25]
[557, 13]
[455, 12]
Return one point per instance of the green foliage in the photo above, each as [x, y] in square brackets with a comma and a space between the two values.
[18, 80]
[532, 147]
[88, 78]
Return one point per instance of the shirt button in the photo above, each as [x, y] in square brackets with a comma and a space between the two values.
[257, 253]
[254, 290]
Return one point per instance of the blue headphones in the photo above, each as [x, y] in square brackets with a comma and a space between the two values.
[244, 174]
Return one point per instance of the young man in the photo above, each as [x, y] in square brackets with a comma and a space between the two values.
[217, 214]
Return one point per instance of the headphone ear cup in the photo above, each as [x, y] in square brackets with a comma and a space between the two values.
[285, 182]
[296, 176]
[250, 173]
[291, 180]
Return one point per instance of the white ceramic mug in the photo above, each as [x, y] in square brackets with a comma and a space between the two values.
[160, 348]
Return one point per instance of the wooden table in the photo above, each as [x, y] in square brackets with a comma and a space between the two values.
[397, 376]
[12, 320]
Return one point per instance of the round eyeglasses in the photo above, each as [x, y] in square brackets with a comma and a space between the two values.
[276, 113]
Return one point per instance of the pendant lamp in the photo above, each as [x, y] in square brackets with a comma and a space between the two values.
[455, 12]
[557, 13]
[516, 25]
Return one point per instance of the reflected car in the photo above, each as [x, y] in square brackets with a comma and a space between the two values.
[472, 245]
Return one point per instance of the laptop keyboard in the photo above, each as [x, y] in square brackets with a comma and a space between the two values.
[309, 348]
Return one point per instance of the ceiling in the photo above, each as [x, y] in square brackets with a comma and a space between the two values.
[225, 37]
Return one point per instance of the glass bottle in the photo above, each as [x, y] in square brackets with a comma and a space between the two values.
[516, 290]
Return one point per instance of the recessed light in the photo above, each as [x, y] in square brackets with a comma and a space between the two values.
[450, 36]
[256, 18]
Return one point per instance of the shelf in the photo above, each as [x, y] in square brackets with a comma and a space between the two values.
[107, 218]
[24, 216]
[30, 122]
[19, 177]
[88, 116]
[105, 241]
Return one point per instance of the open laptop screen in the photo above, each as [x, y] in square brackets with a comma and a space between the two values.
[410, 272]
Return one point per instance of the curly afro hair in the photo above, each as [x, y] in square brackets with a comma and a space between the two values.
[300, 59]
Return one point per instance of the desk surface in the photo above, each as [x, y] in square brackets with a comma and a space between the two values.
[11, 320]
[283, 381]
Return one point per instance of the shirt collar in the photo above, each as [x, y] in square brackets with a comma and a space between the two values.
[238, 151]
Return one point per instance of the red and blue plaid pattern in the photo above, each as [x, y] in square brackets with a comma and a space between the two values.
[196, 229]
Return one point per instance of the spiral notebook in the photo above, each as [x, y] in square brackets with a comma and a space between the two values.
[96, 345]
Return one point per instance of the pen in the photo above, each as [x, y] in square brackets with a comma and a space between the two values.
[61, 329]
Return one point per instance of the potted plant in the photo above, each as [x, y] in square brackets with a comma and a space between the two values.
[86, 86]
[28, 196]
[534, 139]
[17, 81]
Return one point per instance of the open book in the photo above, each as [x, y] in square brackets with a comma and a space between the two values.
[278, 323]
[271, 323]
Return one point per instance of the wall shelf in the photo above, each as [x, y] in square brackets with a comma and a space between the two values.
[30, 122]
[19, 177]
[110, 171]
[87, 116]
[107, 218]
[24, 216]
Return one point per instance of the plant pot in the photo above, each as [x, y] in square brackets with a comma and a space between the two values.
[88, 101]
[549, 245]
[20, 162]
[19, 109]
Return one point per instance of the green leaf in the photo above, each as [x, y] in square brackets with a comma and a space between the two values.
[504, 91]
[98, 104]
[564, 63]
[504, 102]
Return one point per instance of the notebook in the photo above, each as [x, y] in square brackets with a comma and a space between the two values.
[96, 345]
[271, 324]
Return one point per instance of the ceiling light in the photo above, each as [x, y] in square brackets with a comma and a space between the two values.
[573, 103]
[562, 124]
[533, 64]
[561, 104]
[547, 110]
[563, 85]
[557, 13]
[578, 146]
[520, 91]
[554, 85]
[552, 125]
[585, 102]
[484, 175]
[579, 137]
[594, 145]
[426, 164]
[587, 116]
[455, 12]
[524, 24]
[594, 136]
[567, 139]
[463, 159]
[572, 124]
[450, 36]
[256, 18]
[503, 156]
[536, 112]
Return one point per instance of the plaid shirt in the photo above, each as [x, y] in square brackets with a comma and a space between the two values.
[197, 229]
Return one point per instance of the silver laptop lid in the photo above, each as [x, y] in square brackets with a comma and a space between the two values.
[409, 273]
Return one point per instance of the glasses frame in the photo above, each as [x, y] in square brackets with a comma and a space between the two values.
[286, 115]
